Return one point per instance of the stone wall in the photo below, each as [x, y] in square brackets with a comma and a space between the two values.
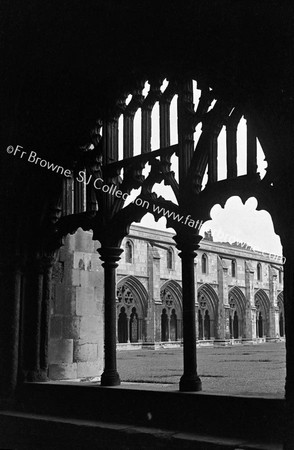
[76, 328]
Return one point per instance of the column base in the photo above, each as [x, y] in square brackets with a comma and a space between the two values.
[110, 379]
[190, 383]
[37, 376]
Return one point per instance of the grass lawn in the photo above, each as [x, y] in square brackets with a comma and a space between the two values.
[241, 369]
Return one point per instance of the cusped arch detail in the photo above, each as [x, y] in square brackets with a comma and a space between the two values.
[280, 297]
[262, 304]
[280, 301]
[138, 289]
[239, 297]
[210, 294]
[176, 290]
[263, 298]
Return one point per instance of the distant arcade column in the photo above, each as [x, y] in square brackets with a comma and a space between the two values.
[110, 257]
[187, 243]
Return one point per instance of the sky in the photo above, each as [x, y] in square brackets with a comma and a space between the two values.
[234, 222]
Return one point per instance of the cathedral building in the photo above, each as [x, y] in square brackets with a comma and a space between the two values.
[239, 298]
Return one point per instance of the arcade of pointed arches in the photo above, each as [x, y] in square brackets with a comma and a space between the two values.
[132, 310]
[171, 314]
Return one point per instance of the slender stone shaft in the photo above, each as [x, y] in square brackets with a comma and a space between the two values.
[110, 256]
[10, 283]
[45, 317]
[187, 244]
[289, 319]
[34, 294]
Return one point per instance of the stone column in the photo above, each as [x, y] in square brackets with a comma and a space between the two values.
[37, 317]
[128, 329]
[33, 309]
[110, 256]
[223, 329]
[153, 328]
[168, 326]
[45, 316]
[187, 243]
[10, 285]
[250, 318]
[288, 250]
[273, 329]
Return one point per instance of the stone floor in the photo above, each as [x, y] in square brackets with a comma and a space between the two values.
[242, 369]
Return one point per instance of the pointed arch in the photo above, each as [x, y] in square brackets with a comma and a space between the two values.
[207, 312]
[210, 294]
[261, 295]
[237, 302]
[171, 315]
[176, 290]
[236, 293]
[132, 303]
[262, 304]
[141, 295]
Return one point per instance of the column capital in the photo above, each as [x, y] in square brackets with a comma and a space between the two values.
[110, 255]
[187, 242]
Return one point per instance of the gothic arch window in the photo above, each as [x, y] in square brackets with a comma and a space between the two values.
[260, 319]
[171, 316]
[169, 258]
[205, 318]
[204, 263]
[130, 316]
[129, 252]
[262, 304]
[234, 267]
[259, 272]
[237, 313]
[280, 276]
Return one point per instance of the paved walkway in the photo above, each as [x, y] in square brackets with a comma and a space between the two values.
[241, 369]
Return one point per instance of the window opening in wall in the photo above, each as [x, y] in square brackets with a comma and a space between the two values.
[204, 263]
[169, 257]
[259, 272]
[233, 266]
[129, 252]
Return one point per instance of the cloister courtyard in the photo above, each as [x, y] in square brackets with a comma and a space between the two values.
[239, 369]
